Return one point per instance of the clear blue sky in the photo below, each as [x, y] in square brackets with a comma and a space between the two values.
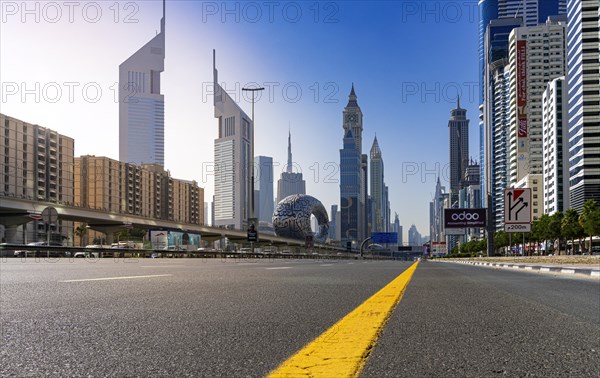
[407, 59]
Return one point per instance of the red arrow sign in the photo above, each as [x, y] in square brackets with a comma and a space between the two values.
[517, 193]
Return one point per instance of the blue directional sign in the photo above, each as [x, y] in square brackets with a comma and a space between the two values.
[384, 237]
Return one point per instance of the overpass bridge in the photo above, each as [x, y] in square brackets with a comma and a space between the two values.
[15, 211]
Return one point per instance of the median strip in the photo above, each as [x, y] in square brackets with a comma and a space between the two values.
[342, 350]
[117, 278]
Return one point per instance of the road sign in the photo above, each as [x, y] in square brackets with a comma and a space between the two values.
[455, 231]
[50, 215]
[517, 227]
[309, 241]
[517, 210]
[252, 236]
[384, 237]
[252, 231]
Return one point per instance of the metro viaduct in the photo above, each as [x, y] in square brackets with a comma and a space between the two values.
[16, 211]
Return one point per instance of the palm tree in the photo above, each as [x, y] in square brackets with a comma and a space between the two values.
[571, 228]
[554, 228]
[590, 219]
[500, 240]
[81, 231]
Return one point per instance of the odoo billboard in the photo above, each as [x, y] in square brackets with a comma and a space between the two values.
[464, 218]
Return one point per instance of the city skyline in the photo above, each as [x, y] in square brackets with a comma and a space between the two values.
[406, 99]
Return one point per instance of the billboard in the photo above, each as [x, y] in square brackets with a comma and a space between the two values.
[384, 237]
[464, 218]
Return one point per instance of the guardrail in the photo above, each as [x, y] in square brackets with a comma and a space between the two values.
[23, 251]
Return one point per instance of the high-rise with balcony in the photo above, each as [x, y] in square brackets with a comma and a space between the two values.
[555, 149]
[141, 105]
[584, 101]
[537, 54]
[497, 18]
[148, 190]
[37, 164]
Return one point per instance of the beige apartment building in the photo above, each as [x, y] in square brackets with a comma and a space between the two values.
[148, 191]
[37, 163]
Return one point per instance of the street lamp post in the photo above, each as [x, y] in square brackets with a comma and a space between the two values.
[253, 91]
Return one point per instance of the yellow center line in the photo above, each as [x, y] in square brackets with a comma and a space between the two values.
[341, 351]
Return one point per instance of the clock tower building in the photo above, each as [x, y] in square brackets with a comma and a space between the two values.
[353, 173]
[353, 119]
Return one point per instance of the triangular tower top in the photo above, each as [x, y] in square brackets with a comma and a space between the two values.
[352, 103]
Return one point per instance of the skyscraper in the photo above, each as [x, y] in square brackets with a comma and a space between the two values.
[141, 105]
[436, 213]
[414, 237]
[353, 122]
[290, 182]
[379, 208]
[263, 196]
[458, 128]
[233, 160]
[555, 148]
[350, 175]
[333, 222]
[584, 101]
[536, 55]
[496, 19]
[397, 228]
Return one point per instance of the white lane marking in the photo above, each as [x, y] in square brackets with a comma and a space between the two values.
[279, 267]
[117, 278]
[160, 266]
[350, 263]
[568, 271]
[326, 265]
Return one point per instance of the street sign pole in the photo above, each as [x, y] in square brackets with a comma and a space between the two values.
[490, 227]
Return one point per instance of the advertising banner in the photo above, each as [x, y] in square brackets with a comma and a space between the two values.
[464, 218]
[522, 131]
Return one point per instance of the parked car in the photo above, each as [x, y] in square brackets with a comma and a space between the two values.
[25, 252]
[87, 254]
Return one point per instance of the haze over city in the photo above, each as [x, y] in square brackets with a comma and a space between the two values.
[408, 62]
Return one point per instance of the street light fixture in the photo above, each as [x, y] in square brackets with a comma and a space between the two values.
[253, 91]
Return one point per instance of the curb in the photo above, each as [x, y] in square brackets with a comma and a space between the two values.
[539, 268]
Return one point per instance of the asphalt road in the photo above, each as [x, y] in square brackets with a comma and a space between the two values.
[460, 320]
[234, 318]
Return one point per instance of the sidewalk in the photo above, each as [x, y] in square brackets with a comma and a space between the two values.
[587, 270]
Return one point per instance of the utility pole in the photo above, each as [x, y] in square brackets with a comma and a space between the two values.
[252, 219]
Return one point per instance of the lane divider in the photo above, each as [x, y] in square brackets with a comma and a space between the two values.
[342, 350]
[117, 278]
